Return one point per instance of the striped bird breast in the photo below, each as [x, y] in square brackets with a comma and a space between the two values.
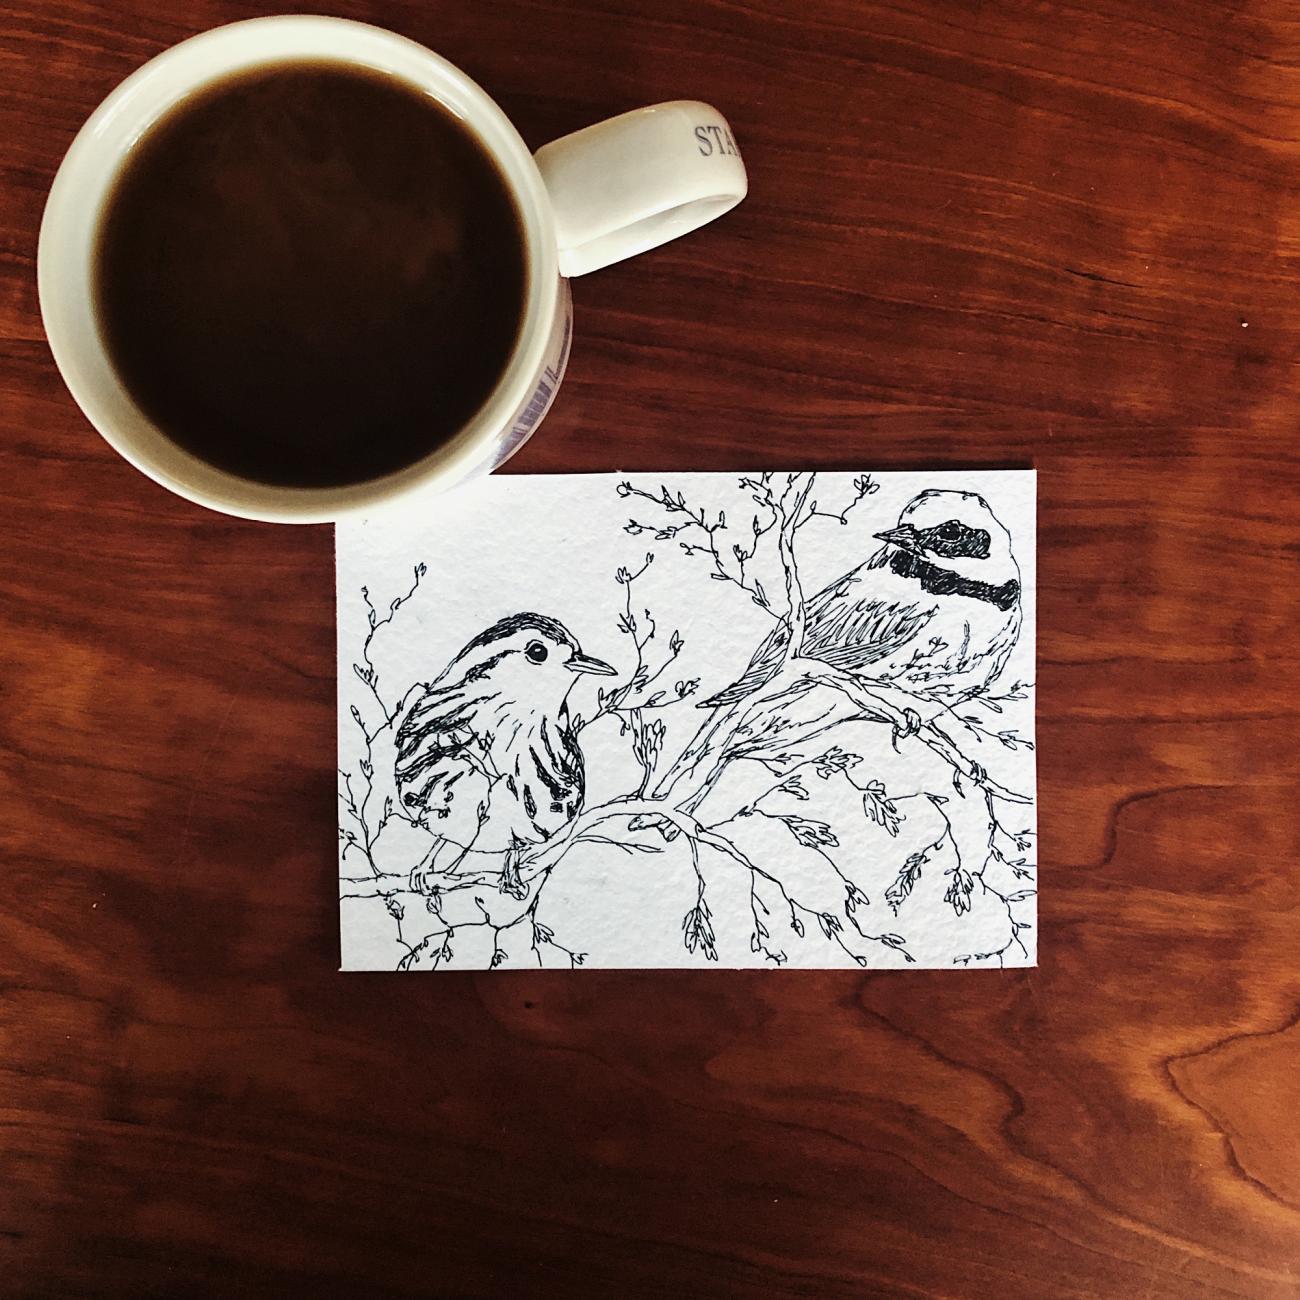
[485, 782]
[542, 778]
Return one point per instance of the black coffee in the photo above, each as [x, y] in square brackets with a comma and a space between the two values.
[310, 275]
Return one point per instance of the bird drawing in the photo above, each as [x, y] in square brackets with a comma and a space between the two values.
[936, 609]
[485, 756]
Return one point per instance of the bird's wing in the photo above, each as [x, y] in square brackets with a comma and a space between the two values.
[767, 658]
[762, 667]
[439, 763]
[853, 636]
[842, 632]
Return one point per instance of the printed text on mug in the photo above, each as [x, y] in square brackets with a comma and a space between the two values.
[716, 139]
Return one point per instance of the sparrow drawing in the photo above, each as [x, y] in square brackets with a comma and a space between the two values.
[485, 756]
[935, 610]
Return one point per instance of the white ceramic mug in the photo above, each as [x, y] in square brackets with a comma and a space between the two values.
[589, 199]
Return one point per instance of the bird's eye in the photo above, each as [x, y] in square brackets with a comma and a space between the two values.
[536, 652]
[950, 531]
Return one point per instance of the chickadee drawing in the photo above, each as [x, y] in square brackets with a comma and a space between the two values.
[935, 610]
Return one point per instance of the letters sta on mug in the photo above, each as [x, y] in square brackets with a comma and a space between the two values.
[716, 139]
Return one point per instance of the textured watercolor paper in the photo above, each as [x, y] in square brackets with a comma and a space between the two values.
[691, 720]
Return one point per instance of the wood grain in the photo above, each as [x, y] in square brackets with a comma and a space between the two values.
[1058, 234]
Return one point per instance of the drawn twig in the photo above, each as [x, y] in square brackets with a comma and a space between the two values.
[365, 842]
[994, 703]
[864, 485]
[1021, 871]
[1017, 929]
[539, 935]
[1008, 737]
[365, 670]
[698, 521]
[642, 632]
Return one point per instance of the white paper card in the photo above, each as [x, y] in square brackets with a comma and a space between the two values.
[680, 720]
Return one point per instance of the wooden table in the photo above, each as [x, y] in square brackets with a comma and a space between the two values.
[1061, 235]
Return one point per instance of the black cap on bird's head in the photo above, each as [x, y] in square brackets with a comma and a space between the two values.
[526, 648]
[950, 526]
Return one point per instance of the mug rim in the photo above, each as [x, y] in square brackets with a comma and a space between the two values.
[94, 160]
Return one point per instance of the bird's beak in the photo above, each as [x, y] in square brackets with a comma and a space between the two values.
[581, 663]
[904, 536]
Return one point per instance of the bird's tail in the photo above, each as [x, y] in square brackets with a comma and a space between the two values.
[747, 685]
[762, 668]
[723, 698]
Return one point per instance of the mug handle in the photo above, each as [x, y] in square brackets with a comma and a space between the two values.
[638, 180]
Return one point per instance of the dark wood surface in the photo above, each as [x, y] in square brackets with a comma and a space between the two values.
[1061, 235]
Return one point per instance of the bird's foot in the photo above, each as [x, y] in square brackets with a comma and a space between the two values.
[651, 822]
[421, 881]
[510, 882]
[911, 725]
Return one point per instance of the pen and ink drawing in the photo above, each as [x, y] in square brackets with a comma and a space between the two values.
[850, 792]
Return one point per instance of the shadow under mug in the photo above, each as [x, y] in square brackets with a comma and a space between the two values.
[592, 198]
